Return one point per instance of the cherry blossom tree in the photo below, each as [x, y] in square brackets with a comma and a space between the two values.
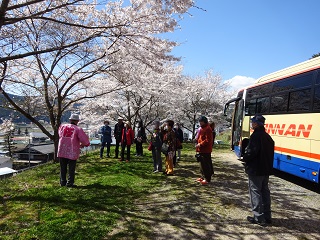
[57, 53]
[164, 95]
[144, 99]
[7, 128]
[159, 96]
[200, 95]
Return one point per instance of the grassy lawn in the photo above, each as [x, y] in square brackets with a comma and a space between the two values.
[127, 201]
[34, 206]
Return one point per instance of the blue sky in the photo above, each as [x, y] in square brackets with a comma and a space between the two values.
[244, 40]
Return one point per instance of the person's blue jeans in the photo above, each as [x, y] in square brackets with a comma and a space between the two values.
[260, 197]
[103, 144]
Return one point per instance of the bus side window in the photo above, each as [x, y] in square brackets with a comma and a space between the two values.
[292, 83]
[263, 105]
[251, 107]
[300, 100]
[318, 77]
[316, 100]
[279, 103]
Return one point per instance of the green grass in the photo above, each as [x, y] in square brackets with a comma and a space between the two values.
[225, 137]
[34, 206]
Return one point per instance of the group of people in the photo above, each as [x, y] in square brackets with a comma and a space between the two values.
[169, 134]
[167, 139]
[124, 137]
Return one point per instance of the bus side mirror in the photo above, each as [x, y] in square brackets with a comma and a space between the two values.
[226, 107]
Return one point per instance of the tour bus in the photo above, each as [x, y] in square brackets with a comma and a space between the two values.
[289, 99]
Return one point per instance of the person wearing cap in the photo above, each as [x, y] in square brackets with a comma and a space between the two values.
[117, 133]
[204, 149]
[126, 140]
[71, 139]
[258, 158]
[106, 139]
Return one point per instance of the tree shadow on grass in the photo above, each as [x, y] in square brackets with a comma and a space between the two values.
[97, 203]
[178, 207]
[183, 209]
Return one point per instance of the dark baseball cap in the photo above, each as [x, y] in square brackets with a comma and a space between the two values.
[259, 119]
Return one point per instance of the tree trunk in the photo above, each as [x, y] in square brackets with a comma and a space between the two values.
[194, 126]
[56, 143]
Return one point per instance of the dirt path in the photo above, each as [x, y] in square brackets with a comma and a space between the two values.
[182, 209]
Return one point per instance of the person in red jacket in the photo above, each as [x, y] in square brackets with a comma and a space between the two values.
[126, 140]
[204, 149]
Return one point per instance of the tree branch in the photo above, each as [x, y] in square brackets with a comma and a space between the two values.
[23, 55]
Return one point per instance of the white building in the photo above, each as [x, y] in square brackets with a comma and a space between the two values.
[6, 166]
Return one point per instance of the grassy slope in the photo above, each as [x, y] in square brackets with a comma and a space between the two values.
[34, 206]
[127, 201]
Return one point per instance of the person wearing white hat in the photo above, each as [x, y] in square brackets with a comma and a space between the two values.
[71, 139]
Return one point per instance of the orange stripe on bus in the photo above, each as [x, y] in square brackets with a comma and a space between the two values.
[297, 152]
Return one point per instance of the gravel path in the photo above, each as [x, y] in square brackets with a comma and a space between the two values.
[182, 209]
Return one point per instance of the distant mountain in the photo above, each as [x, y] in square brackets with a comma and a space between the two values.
[6, 113]
[19, 118]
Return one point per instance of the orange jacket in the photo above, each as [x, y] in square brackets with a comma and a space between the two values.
[205, 140]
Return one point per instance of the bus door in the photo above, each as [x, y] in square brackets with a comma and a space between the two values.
[237, 122]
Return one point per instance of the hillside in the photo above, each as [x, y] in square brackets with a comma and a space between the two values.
[118, 200]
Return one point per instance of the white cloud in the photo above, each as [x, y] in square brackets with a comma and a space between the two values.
[239, 82]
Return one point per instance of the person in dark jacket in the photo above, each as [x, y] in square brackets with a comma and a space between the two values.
[179, 140]
[258, 158]
[117, 133]
[156, 143]
[141, 138]
[106, 139]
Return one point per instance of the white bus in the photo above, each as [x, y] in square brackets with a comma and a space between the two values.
[289, 99]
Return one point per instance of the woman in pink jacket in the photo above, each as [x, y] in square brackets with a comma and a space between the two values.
[71, 139]
[126, 140]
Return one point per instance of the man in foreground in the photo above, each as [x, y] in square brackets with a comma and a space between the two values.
[71, 139]
[258, 158]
